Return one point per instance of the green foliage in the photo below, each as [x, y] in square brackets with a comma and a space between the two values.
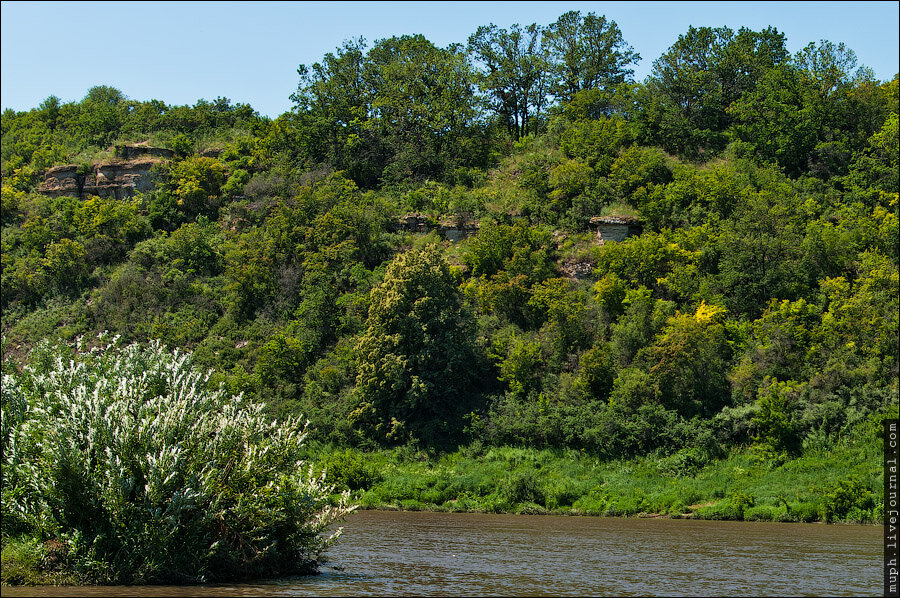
[735, 508]
[348, 470]
[775, 431]
[587, 52]
[644, 316]
[846, 496]
[64, 264]
[517, 249]
[597, 142]
[196, 184]
[126, 458]
[507, 261]
[760, 251]
[782, 338]
[610, 292]
[761, 191]
[520, 366]
[596, 372]
[415, 355]
[404, 110]
[639, 167]
[695, 81]
[423, 107]
[652, 260]
[687, 362]
[514, 75]
[523, 487]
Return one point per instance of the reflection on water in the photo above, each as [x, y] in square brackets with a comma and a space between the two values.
[447, 553]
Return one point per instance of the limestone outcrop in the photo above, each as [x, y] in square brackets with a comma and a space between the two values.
[120, 178]
[615, 228]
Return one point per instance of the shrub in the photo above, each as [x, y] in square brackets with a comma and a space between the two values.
[805, 512]
[723, 510]
[127, 458]
[848, 496]
[347, 470]
[523, 487]
[763, 513]
[733, 509]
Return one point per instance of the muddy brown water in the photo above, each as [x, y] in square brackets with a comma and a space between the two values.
[415, 553]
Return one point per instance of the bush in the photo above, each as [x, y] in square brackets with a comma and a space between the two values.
[523, 487]
[850, 496]
[124, 456]
[733, 509]
[764, 513]
[805, 512]
[347, 470]
[723, 510]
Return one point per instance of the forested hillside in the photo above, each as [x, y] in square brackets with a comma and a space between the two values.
[754, 302]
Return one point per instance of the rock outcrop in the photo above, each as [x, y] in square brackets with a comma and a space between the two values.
[119, 178]
[615, 228]
[464, 225]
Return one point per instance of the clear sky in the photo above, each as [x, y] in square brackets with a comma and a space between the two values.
[179, 52]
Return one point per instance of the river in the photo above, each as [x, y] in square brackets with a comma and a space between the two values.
[414, 553]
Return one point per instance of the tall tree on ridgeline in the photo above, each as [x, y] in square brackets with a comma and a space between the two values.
[810, 115]
[423, 106]
[587, 52]
[333, 103]
[694, 82]
[513, 75]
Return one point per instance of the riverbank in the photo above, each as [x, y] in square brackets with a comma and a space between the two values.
[386, 553]
[831, 481]
[837, 481]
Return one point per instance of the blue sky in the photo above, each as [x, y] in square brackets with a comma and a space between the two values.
[179, 52]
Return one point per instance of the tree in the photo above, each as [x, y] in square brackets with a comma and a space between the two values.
[102, 113]
[586, 52]
[508, 261]
[196, 184]
[423, 106]
[415, 357]
[760, 251]
[782, 118]
[830, 66]
[812, 114]
[688, 362]
[877, 167]
[65, 265]
[778, 347]
[514, 75]
[775, 431]
[404, 110]
[652, 260]
[695, 81]
[49, 110]
[562, 311]
[333, 103]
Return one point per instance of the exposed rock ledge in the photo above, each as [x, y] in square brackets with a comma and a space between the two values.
[119, 178]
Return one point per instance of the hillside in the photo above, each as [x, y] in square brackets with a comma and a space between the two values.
[441, 248]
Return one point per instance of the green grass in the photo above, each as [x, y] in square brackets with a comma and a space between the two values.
[737, 486]
[25, 561]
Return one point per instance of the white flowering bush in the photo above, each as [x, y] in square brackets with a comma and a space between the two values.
[126, 458]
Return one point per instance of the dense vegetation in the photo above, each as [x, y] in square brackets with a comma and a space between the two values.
[135, 472]
[755, 317]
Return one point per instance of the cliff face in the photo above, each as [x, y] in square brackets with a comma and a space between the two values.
[120, 178]
[116, 179]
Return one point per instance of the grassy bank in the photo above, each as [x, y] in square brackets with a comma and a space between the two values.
[831, 481]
